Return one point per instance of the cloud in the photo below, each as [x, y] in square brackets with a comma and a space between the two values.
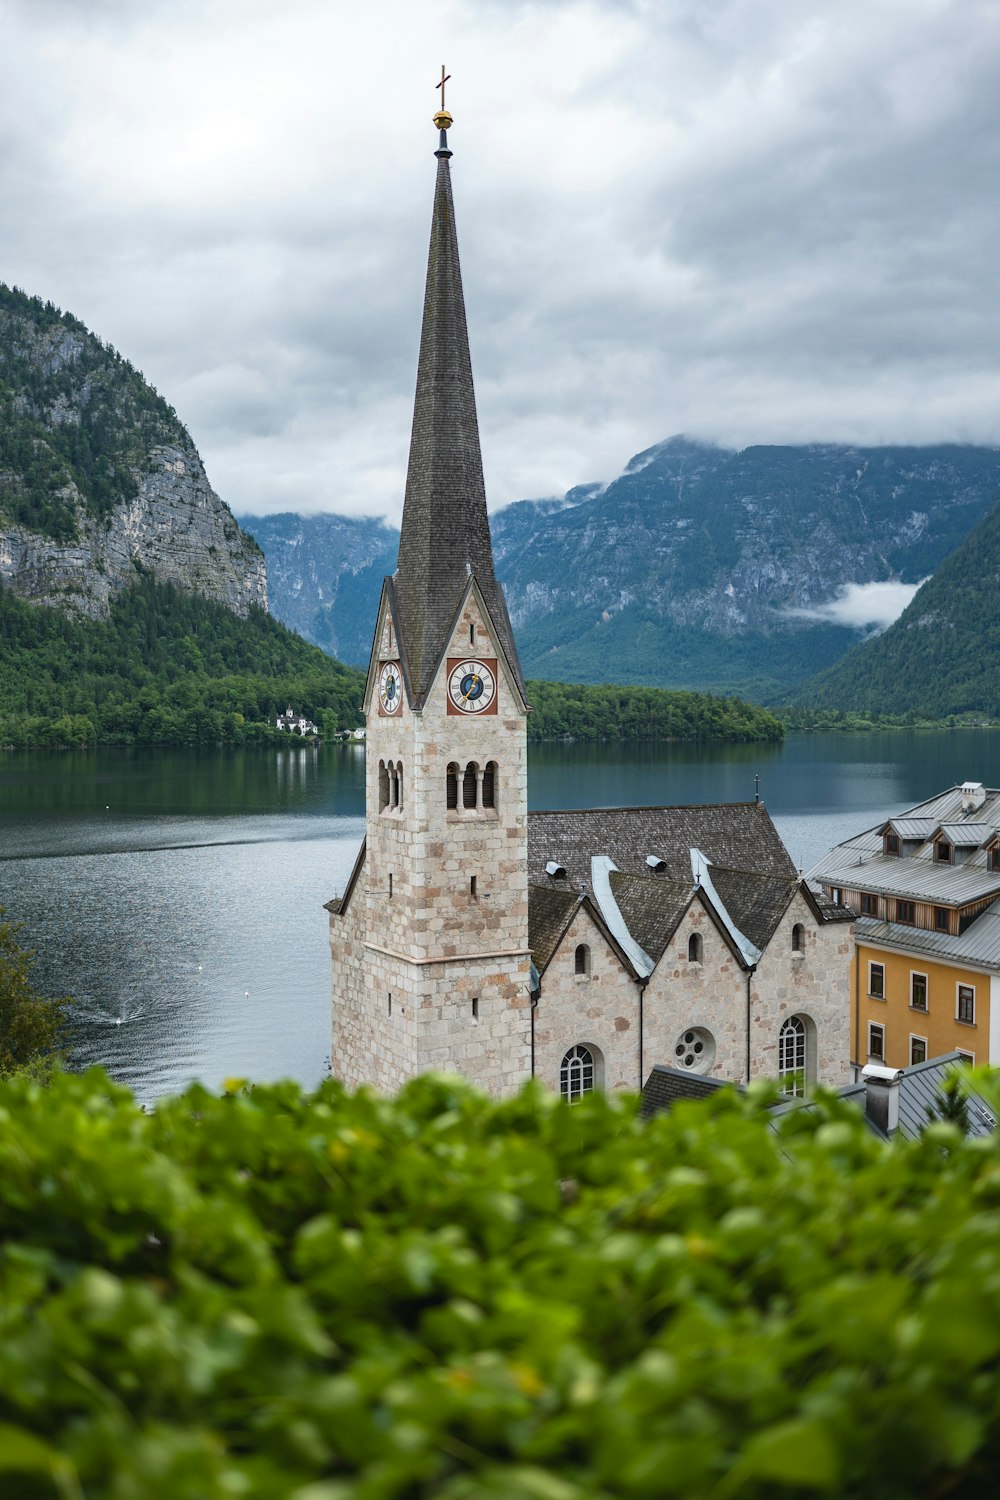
[862, 605]
[758, 223]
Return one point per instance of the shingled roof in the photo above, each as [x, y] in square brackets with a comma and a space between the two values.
[735, 835]
[652, 907]
[549, 913]
[445, 535]
[755, 902]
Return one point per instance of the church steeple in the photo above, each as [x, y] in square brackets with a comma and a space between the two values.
[445, 535]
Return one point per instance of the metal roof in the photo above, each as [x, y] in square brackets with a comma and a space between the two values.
[978, 944]
[967, 833]
[915, 877]
[912, 828]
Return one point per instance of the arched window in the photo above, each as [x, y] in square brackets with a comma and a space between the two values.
[576, 1074]
[383, 786]
[490, 784]
[695, 1049]
[792, 1056]
[452, 786]
[696, 948]
[798, 938]
[399, 783]
[470, 784]
[581, 959]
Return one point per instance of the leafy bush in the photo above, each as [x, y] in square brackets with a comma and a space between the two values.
[31, 1026]
[316, 1298]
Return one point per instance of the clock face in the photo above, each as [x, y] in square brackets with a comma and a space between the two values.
[472, 686]
[390, 687]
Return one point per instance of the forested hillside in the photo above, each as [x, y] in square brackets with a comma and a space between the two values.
[165, 668]
[942, 656]
[569, 710]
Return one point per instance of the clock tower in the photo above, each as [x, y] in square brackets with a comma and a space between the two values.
[431, 968]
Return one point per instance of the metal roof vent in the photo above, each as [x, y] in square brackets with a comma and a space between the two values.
[557, 871]
[656, 863]
[973, 796]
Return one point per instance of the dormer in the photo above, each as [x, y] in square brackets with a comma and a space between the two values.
[956, 843]
[992, 850]
[944, 849]
[656, 864]
[555, 871]
[904, 836]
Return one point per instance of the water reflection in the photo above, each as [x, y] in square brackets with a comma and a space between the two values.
[178, 895]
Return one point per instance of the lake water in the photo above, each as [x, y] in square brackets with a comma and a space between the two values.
[178, 896]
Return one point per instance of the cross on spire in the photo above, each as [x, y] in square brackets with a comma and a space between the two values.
[444, 79]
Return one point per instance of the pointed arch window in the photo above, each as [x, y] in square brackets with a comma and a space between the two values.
[576, 1074]
[792, 1056]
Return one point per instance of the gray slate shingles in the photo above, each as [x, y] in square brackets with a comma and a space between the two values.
[445, 533]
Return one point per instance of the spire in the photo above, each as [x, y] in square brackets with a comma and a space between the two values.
[445, 534]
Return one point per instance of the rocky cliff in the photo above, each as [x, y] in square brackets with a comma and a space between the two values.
[100, 482]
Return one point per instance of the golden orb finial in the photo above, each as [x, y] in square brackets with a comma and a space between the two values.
[442, 120]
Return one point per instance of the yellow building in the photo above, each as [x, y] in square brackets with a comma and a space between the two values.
[926, 967]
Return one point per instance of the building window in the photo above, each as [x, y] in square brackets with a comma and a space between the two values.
[892, 843]
[918, 1050]
[475, 1007]
[452, 786]
[390, 885]
[995, 858]
[576, 1075]
[470, 784]
[399, 784]
[472, 635]
[798, 938]
[918, 991]
[695, 1050]
[490, 784]
[383, 786]
[876, 1041]
[390, 1002]
[876, 981]
[696, 948]
[474, 887]
[966, 1011]
[941, 918]
[792, 1057]
[581, 959]
[869, 905]
[906, 911]
[837, 896]
[966, 1057]
[943, 852]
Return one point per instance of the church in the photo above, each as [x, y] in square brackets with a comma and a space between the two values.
[582, 948]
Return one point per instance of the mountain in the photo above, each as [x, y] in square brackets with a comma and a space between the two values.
[324, 576]
[698, 566]
[942, 656]
[100, 482]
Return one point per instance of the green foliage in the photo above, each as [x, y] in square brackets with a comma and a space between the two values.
[851, 721]
[562, 709]
[72, 412]
[315, 1298]
[951, 1104]
[31, 1026]
[166, 669]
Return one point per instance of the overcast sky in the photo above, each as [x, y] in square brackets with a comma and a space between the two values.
[747, 220]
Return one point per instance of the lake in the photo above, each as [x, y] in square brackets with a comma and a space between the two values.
[178, 896]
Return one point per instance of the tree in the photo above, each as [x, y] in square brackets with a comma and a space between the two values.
[31, 1026]
[951, 1104]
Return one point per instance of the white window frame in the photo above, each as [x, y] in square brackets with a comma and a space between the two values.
[878, 1026]
[793, 1056]
[577, 1073]
[967, 1057]
[959, 987]
[923, 1041]
[873, 963]
[924, 1009]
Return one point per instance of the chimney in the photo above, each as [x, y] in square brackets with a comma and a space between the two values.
[882, 1097]
[973, 796]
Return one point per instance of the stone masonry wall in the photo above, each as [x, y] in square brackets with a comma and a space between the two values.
[434, 944]
[599, 1010]
[814, 984]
